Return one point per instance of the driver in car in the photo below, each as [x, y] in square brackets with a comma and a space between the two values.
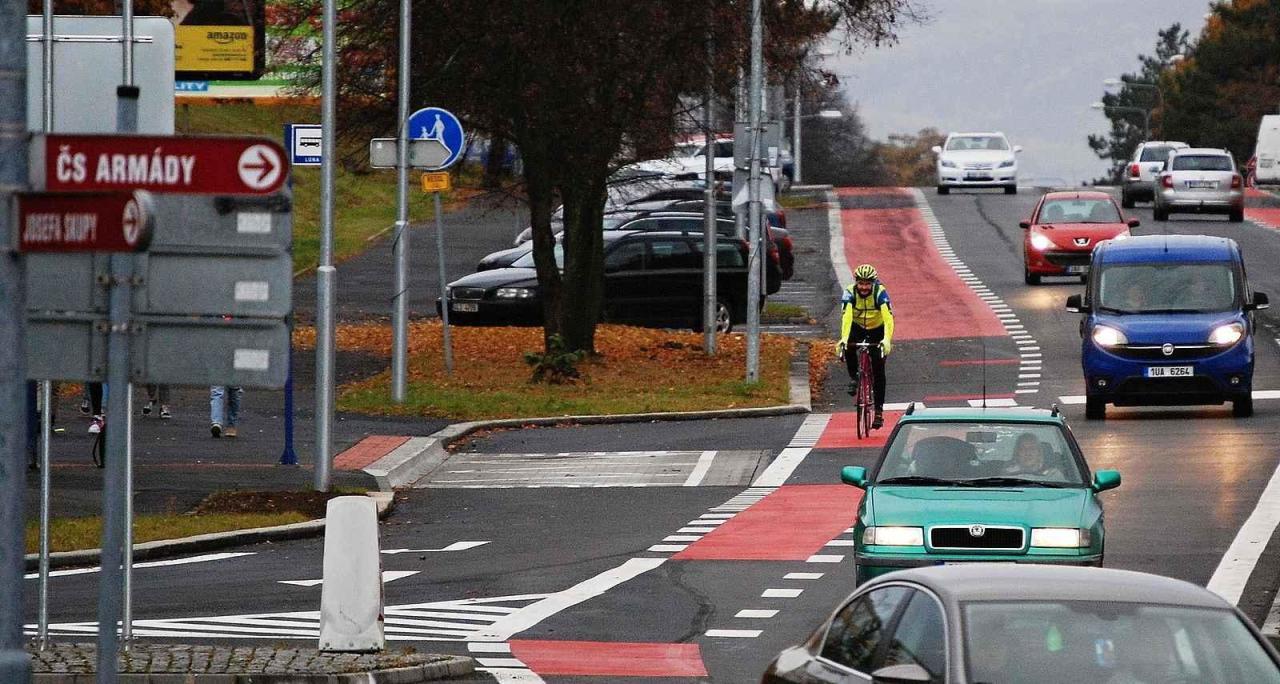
[1029, 459]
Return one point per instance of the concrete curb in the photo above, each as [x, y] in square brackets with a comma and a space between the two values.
[420, 456]
[448, 668]
[810, 188]
[203, 542]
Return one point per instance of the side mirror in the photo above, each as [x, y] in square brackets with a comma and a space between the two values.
[1017, 149]
[854, 475]
[1106, 479]
[1260, 302]
[936, 149]
[1134, 223]
[1025, 225]
[1075, 304]
[901, 674]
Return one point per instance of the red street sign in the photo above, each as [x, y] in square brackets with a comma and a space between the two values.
[83, 222]
[199, 165]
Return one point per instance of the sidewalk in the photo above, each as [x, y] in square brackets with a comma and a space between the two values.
[177, 664]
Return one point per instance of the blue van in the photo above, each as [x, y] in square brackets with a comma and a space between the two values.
[1168, 320]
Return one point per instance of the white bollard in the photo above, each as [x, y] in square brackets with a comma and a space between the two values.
[351, 595]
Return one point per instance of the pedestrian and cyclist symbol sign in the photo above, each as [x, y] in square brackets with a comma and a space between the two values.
[434, 123]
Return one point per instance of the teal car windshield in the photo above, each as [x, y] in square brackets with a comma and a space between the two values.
[979, 453]
[1085, 641]
[1166, 288]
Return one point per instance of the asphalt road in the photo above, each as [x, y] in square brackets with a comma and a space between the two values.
[668, 577]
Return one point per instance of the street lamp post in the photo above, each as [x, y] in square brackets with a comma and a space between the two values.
[1146, 115]
[1143, 85]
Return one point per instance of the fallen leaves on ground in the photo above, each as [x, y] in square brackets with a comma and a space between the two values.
[634, 370]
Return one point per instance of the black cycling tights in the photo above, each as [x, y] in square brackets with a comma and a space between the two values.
[874, 336]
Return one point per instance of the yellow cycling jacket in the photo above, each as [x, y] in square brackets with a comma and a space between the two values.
[867, 313]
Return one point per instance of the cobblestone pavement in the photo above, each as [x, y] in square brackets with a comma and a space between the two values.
[66, 658]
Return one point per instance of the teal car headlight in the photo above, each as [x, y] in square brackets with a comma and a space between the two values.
[1060, 537]
[893, 536]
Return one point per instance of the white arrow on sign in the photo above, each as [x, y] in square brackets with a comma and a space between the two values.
[132, 222]
[456, 546]
[259, 167]
[387, 576]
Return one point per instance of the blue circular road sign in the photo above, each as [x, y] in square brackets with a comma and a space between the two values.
[434, 123]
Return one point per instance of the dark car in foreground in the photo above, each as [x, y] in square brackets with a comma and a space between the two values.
[1025, 624]
[650, 279]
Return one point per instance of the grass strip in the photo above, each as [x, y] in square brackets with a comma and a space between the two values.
[72, 534]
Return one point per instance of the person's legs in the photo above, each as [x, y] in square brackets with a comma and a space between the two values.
[233, 404]
[216, 409]
[33, 421]
[95, 407]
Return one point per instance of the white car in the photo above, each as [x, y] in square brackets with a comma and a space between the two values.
[1147, 163]
[977, 160]
[688, 160]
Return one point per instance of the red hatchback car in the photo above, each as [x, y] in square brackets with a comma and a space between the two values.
[1063, 230]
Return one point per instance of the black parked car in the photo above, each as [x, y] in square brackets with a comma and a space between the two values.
[651, 278]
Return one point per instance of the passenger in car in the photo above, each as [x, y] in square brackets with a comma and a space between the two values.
[1029, 459]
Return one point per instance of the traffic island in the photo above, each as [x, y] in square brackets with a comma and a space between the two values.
[191, 664]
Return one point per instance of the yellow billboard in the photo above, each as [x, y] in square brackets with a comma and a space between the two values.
[218, 39]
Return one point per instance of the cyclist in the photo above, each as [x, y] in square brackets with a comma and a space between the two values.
[867, 316]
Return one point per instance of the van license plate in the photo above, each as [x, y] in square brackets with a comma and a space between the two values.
[1171, 371]
[467, 307]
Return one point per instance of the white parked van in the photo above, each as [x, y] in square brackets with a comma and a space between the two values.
[1268, 150]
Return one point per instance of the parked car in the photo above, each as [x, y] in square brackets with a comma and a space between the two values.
[1147, 163]
[651, 278]
[1168, 320]
[978, 485]
[1063, 230]
[1026, 624]
[1267, 151]
[977, 160]
[1200, 180]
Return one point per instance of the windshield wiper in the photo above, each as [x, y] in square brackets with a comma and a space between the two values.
[1111, 309]
[1009, 482]
[915, 480]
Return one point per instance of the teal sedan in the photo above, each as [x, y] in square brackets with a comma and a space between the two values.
[978, 485]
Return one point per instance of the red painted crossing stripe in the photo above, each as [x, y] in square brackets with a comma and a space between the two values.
[610, 659]
[842, 432]
[367, 451]
[1268, 216]
[792, 523]
[929, 299]
[964, 397]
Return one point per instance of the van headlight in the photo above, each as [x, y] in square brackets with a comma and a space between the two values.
[893, 536]
[1040, 242]
[1107, 336]
[1060, 537]
[1226, 335]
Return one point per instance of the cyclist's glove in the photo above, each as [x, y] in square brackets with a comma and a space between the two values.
[885, 347]
[840, 347]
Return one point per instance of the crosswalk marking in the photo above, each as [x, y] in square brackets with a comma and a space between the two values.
[596, 469]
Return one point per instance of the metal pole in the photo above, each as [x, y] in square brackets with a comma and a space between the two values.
[126, 621]
[400, 248]
[326, 273]
[46, 486]
[739, 114]
[709, 212]
[444, 308]
[126, 16]
[795, 137]
[114, 487]
[753, 213]
[46, 387]
[288, 456]
[15, 664]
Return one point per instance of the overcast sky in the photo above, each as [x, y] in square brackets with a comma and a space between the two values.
[1027, 67]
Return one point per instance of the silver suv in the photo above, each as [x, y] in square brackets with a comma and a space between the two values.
[1139, 178]
[1201, 180]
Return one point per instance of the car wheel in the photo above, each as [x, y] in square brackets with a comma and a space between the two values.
[1126, 201]
[1095, 408]
[944, 190]
[1030, 278]
[724, 316]
[1160, 214]
[1242, 407]
[1010, 189]
[1236, 216]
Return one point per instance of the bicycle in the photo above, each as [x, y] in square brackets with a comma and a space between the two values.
[862, 390]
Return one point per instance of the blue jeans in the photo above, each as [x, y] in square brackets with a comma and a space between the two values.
[232, 412]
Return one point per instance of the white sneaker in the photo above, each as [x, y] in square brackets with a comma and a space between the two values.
[95, 426]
